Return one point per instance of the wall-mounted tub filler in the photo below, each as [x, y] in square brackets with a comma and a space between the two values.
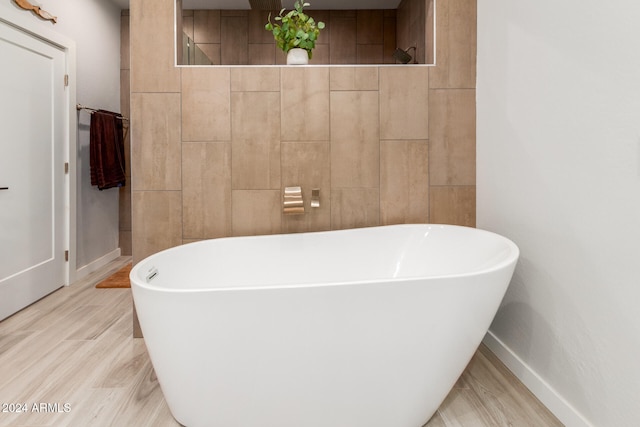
[293, 203]
[366, 327]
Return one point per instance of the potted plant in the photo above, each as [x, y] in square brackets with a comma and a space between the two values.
[296, 34]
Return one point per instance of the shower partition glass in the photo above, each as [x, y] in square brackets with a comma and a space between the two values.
[192, 54]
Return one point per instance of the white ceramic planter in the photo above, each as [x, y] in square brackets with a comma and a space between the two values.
[297, 56]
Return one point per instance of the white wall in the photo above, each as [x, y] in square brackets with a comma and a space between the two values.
[558, 171]
[94, 25]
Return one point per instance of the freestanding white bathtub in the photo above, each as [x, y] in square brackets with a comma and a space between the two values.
[355, 328]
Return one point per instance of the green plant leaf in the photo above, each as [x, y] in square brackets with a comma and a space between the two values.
[295, 29]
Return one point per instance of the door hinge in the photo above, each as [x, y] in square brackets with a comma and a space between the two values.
[66, 80]
[66, 167]
[66, 255]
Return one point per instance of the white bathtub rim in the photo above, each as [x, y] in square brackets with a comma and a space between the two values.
[394, 281]
[508, 262]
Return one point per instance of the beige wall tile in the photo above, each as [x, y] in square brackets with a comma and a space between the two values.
[390, 43]
[307, 164]
[152, 47]
[453, 205]
[355, 139]
[281, 57]
[125, 110]
[323, 16]
[234, 12]
[256, 140]
[455, 45]
[257, 21]
[179, 35]
[124, 201]
[125, 242]
[206, 104]
[369, 54]
[430, 34]
[403, 31]
[337, 13]
[417, 23]
[404, 182]
[404, 103]
[187, 241]
[369, 26]
[255, 79]
[124, 43]
[262, 54]
[155, 140]
[256, 212]
[124, 208]
[305, 103]
[125, 92]
[411, 27]
[157, 222]
[206, 26]
[320, 55]
[353, 78]
[206, 190]
[343, 41]
[354, 207]
[234, 40]
[452, 136]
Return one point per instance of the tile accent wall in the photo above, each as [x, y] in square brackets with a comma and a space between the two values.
[213, 147]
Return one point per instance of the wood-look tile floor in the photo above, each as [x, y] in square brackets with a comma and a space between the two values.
[71, 359]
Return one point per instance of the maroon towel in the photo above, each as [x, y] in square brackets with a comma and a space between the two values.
[106, 150]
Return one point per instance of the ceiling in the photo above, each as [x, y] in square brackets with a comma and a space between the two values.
[315, 4]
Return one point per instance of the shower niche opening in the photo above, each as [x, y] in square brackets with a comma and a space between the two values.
[357, 32]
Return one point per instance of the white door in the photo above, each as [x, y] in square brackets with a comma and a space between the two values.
[32, 177]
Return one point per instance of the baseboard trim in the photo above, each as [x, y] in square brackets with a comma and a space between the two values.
[84, 271]
[550, 398]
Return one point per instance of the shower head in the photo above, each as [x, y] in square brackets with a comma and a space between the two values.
[403, 55]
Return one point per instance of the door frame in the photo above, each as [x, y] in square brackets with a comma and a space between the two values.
[26, 23]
